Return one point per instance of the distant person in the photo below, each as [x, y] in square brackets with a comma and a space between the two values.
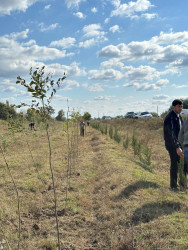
[183, 138]
[172, 125]
[88, 123]
[32, 125]
[82, 128]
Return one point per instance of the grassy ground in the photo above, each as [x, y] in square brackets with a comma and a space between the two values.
[113, 201]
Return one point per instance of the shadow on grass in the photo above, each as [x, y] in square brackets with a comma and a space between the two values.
[138, 185]
[151, 211]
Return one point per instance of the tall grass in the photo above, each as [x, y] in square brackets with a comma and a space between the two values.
[17, 195]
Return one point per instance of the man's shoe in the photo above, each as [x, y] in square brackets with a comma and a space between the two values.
[174, 189]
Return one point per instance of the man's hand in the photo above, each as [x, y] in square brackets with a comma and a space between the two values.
[179, 152]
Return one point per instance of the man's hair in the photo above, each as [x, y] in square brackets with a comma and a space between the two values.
[177, 102]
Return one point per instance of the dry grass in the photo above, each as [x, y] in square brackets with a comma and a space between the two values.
[113, 202]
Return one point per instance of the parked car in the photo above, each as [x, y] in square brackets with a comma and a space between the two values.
[130, 115]
[143, 115]
[107, 118]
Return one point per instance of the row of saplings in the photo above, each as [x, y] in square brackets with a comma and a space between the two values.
[142, 151]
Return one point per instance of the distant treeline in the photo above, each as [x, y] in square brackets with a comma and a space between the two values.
[36, 115]
[7, 110]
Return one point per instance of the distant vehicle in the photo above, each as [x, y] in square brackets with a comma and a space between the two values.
[107, 118]
[185, 111]
[130, 115]
[143, 115]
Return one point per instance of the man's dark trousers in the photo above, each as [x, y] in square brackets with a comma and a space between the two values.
[174, 158]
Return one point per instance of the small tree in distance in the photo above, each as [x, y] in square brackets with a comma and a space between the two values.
[61, 116]
[87, 116]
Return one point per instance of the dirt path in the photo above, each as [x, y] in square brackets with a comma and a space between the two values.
[104, 172]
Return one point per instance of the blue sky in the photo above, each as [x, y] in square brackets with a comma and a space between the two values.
[118, 55]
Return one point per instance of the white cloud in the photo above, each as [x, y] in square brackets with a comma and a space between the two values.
[161, 97]
[114, 28]
[148, 87]
[21, 93]
[85, 85]
[87, 43]
[142, 73]
[73, 3]
[6, 7]
[94, 10]
[10, 89]
[132, 84]
[69, 84]
[47, 7]
[112, 63]
[80, 15]
[154, 50]
[67, 42]
[15, 36]
[102, 98]
[162, 82]
[94, 33]
[44, 28]
[72, 70]
[10, 100]
[177, 86]
[95, 88]
[130, 8]
[170, 38]
[108, 74]
[116, 3]
[7, 82]
[93, 30]
[17, 58]
[149, 16]
[106, 20]
[61, 98]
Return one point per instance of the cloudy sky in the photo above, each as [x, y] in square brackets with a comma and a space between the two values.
[118, 55]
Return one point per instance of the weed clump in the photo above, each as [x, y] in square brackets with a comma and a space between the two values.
[117, 136]
[136, 145]
[145, 156]
[126, 142]
[111, 132]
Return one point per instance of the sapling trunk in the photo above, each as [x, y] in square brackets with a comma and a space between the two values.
[53, 181]
[68, 158]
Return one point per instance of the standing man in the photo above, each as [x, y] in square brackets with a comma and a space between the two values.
[172, 125]
[82, 128]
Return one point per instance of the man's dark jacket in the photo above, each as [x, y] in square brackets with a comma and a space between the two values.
[171, 130]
